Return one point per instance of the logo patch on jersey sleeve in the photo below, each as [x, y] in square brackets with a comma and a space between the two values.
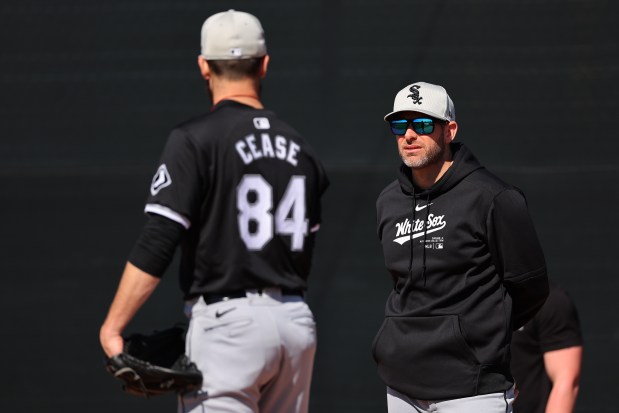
[262, 123]
[160, 180]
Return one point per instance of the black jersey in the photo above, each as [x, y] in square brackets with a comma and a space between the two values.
[556, 326]
[247, 188]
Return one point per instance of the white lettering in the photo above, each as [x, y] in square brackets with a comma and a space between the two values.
[251, 141]
[251, 149]
[406, 230]
[267, 148]
[401, 228]
[292, 153]
[418, 225]
[240, 146]
[280, 147]
[434, 221]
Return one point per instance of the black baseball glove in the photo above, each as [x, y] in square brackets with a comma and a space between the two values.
[155, 364]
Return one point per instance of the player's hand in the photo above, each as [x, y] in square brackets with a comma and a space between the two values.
[111, 342]
[133, 290]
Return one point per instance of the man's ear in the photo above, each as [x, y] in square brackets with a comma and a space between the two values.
[451, 128]
[265, 66]
[204, 68]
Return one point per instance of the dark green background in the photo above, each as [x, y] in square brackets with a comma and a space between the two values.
[90, 89]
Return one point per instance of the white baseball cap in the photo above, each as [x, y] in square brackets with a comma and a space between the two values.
[426, 98]
[232, 35]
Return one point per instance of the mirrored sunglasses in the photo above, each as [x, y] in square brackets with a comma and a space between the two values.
[421, 126]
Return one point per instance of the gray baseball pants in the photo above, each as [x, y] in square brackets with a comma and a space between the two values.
[256, 354]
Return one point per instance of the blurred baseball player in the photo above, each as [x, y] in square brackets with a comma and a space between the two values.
[547, 357]
[239, 190]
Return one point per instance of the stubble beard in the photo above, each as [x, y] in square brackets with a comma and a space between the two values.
[431, 156]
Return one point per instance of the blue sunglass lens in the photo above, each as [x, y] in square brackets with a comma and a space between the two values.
[398, 127]
[423, 126]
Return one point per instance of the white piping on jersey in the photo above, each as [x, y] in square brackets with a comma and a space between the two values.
[168, 213]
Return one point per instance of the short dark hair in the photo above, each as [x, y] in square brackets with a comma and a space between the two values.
[236, 69]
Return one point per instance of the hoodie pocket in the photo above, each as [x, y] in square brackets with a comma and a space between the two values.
[426, 357]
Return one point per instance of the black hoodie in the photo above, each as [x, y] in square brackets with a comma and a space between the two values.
[468, 269]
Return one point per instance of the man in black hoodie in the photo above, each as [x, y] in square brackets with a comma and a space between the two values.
[466, 264]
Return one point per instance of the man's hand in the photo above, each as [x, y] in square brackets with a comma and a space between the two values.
[112, 342]
[155, 363]
[133, 290]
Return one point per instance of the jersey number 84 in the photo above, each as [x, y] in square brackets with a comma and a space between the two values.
[289, 218]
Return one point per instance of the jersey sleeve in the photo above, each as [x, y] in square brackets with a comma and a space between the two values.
[179, 182]
[558, 323]
[518, 255]
[154, 249]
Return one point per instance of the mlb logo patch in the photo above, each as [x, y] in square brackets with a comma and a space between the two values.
[262, 123]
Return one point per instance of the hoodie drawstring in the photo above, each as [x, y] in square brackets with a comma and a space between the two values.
[410, 257]
[425, 233]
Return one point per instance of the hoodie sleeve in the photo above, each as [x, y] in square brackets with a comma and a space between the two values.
[518, 255]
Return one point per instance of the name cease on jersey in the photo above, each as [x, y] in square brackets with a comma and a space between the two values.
[289, 215]
[252, 148]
